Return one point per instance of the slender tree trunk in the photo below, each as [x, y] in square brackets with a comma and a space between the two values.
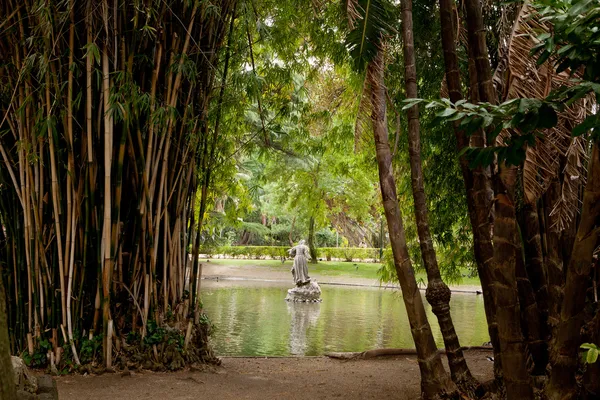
[311, 240]
[507, 247]
[565, 351]
[477, 183]
[291, 235]
[7, 380]
[438, 294]
[434, 379]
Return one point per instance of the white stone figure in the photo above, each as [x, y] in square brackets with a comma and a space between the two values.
[306, 291]
[301, 254]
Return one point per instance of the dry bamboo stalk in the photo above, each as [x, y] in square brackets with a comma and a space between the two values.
[165, 283]
[146, 303]
[88, 89]
[30, 344]
[107, 264]
[69, 286]
[109, 339]
[149, 149]
[55, 201]
[188, 335]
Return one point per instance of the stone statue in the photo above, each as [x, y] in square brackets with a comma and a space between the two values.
[301, 254]
[306, 290]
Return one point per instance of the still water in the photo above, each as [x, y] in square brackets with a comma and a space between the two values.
[252, 319]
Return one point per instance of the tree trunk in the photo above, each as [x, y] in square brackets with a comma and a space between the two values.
[438, 294]
[311, 240]
[507, 247]
[553, 259]
[477, 182]
[565, 351]
[533, 289]
[434, 379]
[7, 380]
[290, 236]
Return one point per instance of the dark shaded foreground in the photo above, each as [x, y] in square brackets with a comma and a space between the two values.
[269, 378]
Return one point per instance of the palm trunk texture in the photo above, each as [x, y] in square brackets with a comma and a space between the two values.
[477, 182]
[434, 379]
[507, 246]
[438, 294]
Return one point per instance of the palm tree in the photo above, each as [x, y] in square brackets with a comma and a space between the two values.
[477, 181]
[368, 27]
[507, 248]
[438, 294]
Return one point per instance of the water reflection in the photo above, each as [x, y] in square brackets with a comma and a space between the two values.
[304, 315]
[252, 319]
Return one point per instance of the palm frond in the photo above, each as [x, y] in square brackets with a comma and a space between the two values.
[369, 22]
[519, 76]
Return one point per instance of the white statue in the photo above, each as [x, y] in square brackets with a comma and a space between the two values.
[301, 254]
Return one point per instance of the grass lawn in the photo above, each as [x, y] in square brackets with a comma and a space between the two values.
[335, 268]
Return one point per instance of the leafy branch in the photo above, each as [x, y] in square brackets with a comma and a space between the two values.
[523, 119]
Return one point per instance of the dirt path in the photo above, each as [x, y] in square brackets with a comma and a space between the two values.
[214, 270]
[268, 378]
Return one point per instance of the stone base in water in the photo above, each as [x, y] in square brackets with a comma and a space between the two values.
[309, 293]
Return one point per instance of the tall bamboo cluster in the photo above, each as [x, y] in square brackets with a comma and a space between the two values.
[105, 132]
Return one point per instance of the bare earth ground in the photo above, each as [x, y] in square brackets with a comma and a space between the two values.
[255, 272]
[269, 378]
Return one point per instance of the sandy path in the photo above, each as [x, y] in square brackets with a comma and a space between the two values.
[268, 378]
[214, 270]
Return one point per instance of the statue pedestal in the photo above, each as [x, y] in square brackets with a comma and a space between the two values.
[309, 293]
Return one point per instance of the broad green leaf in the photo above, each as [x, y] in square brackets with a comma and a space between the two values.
[592, 356]
[587, 124]
[446, 113]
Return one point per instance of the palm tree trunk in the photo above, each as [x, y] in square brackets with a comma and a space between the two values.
[438, 294]
[564, 354]
[552, 255]
[507, 247]
[533, 289]
[434, 379]
[477, 183]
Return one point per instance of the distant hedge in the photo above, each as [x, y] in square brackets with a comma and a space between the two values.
[278, 252]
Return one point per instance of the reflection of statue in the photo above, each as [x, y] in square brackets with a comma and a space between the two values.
[303, 316]
[301, 254]
[305, 290]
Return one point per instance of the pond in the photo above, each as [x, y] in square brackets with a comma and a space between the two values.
[252, 319]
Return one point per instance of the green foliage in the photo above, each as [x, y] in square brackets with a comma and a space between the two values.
[574, 44]
[525, 119]
[90, 349]
[574, 41]
[39, 358]
[280, 252]
[156, 334]
[326, 238]
[591, 352]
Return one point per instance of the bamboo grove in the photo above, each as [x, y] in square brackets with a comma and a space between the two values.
[106, 135]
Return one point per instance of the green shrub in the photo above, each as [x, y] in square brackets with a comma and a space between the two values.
[277, 252]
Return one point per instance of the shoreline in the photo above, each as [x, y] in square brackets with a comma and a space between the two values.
[213, 271]
[453, 289]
